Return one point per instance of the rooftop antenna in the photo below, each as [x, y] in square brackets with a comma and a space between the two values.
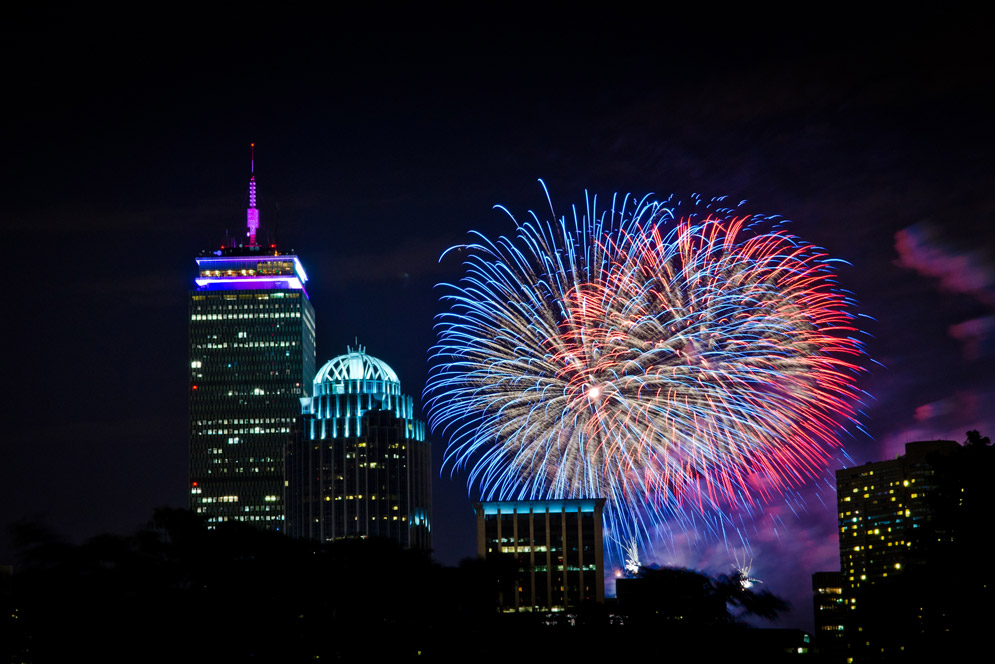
[252, 214]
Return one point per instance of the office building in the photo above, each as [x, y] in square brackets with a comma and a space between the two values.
[889, 527]
[252, 358]
[556, 547]
[882, 506]
[830, 610]
[359, 465]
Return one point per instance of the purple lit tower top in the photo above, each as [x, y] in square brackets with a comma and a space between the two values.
[252, 360]
[252, 214]
[250, 266]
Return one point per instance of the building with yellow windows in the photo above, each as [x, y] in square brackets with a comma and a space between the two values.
[359, 465]
[252, 358]
[554, 548]
[887, 523]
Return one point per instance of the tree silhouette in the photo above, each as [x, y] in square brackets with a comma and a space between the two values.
[691, 597]
[761, 604]
[975, 440]
[176, 591]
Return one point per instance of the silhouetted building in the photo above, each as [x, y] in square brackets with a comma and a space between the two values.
[882, 505]
[359, 465]
[252, 358]
[553, 549]
[888, 525]
[830, 607]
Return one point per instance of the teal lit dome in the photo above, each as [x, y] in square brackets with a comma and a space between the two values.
[349, 386]
[355, 365]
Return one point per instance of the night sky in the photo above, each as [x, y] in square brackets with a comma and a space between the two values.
[383, 137]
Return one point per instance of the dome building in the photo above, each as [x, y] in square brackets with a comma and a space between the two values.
[359, 465]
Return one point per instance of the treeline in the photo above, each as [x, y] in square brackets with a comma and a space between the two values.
[176, 591]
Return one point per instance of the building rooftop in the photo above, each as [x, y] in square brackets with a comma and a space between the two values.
[355, 365]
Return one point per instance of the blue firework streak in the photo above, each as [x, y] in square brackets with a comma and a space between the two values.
[681, 364]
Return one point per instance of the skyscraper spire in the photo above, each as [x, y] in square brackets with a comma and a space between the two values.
[237, 380]
[252, 214]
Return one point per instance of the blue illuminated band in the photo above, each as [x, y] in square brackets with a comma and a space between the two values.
[524, 506]
[254, 283]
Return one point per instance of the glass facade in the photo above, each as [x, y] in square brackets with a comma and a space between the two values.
[556, 546]
[252, 358]
[359, 465]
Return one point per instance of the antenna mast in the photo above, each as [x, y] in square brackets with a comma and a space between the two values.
[252, 214]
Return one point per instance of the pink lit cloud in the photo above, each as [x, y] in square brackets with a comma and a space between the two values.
[975, 336]
[947, 418]
[921, 248]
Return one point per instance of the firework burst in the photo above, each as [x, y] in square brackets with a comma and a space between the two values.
[676, 362]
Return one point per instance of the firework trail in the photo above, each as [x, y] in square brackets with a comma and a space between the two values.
[680, 363]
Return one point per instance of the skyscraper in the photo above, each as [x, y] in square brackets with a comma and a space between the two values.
[889, 526]
[360, 465]
[882, 507]
[252, 358]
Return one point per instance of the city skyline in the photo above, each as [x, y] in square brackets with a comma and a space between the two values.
[381, 148]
